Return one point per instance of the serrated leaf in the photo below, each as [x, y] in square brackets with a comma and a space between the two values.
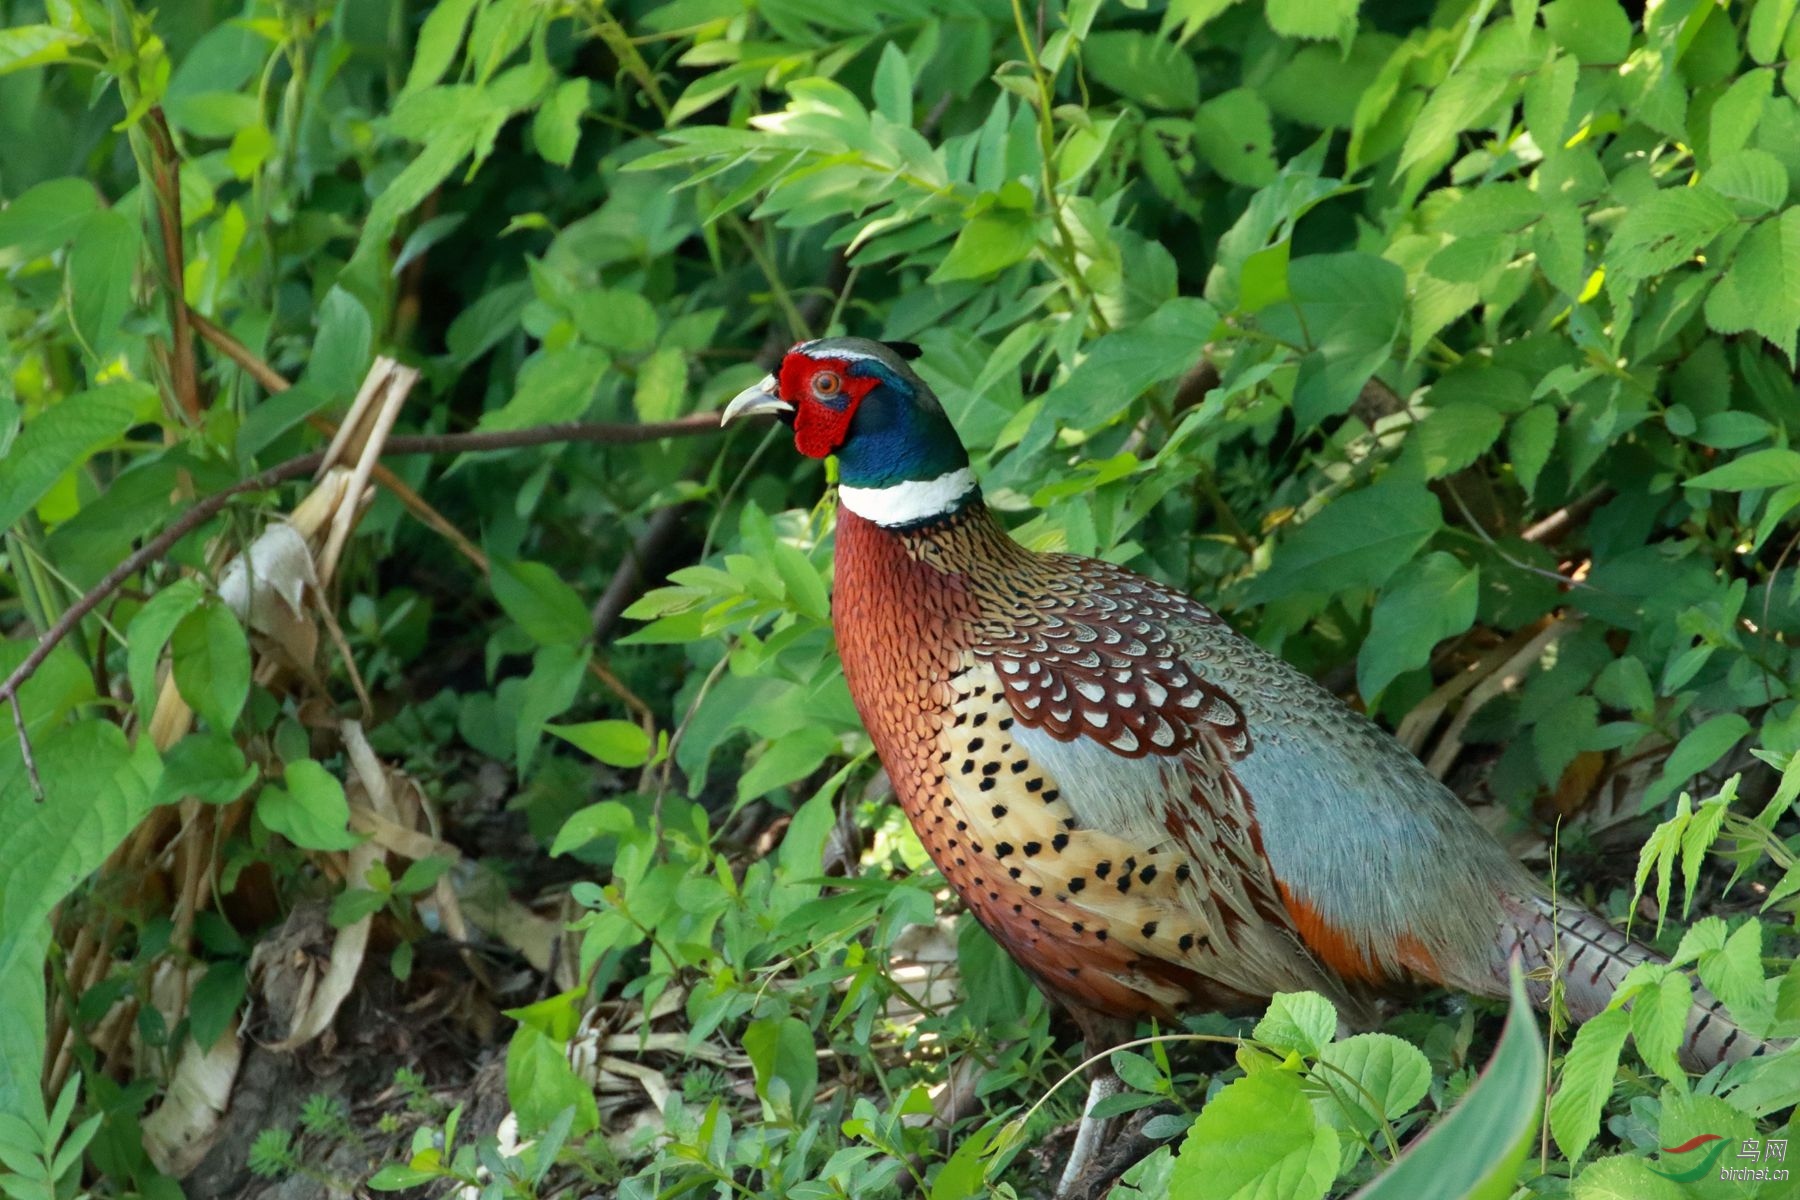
[1529, 440]
[1665, 230]
[1586, 1081]
[1394, 1072]
[1761, 290]
[1316, 19]
[1736, 113]
[1452, 107]
[1234, 133]
[1454, 435]
[1302, 1022]
[1775, 466]
[1659, 1013]
[1144, 68]
[1595, 31]
[1257, 1138]
[1753, 179]
[1734, 971]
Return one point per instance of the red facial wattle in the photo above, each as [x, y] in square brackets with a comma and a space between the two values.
[821, 425]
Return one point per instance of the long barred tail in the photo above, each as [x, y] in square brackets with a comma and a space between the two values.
[1593, 958]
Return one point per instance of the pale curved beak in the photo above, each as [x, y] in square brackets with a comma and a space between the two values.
[758, 398]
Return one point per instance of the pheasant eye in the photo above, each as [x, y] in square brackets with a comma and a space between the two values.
[827, 384]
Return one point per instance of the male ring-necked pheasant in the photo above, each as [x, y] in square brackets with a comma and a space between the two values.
[1148, 811]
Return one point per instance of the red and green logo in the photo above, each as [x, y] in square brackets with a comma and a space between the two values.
[1705, 1163]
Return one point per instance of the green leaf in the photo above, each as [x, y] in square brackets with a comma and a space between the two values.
[1454, 435]
[1529, 440]
[554, 682]
[1549, 97]
[615, 743]
[1587, 1081]
[1346, 309]
[340, 349]
[1665, 230]
[1769, 22]
[1736, 113]
[1395, 1072]
[1453, 107]
[661, 385]
[1144, 68]
[211, 663]
[102, 262]
[97, 791]
[439, 38]
[893, 88]
[790, 757]
[1357, 541]
[1302, 1022]
[64, 437]
[1734, 971]
[1428, 600]
[1317, 19]
[787, 1070]
[615, 319]
[1659, 1013]
[149, 632]
[556, 127]
[46, 216]
[1234, 134]
[540, 1083]
[545, 607]
[1122, 364]
[208, 767]
[1755, 180]
[553, 386]
[311, 811]
[1624, 1177]
[1596, 31]
[1698, 749]
[25, 46]
[1775, 466]
[990, 243]
[1257, 1139]
[1761, 290]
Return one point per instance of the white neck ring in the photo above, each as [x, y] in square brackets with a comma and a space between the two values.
[910, 502]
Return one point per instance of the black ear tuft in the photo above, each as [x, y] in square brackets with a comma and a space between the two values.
[907, 350]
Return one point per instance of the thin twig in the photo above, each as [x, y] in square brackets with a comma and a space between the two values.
[31, 771]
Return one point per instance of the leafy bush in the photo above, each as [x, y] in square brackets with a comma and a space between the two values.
[1448, 348]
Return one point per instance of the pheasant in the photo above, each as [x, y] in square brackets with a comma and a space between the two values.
[1149, 812]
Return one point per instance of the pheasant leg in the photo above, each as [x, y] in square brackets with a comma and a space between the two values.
[1092, 1133]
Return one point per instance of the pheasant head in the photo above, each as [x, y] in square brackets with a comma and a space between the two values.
[900, 462]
